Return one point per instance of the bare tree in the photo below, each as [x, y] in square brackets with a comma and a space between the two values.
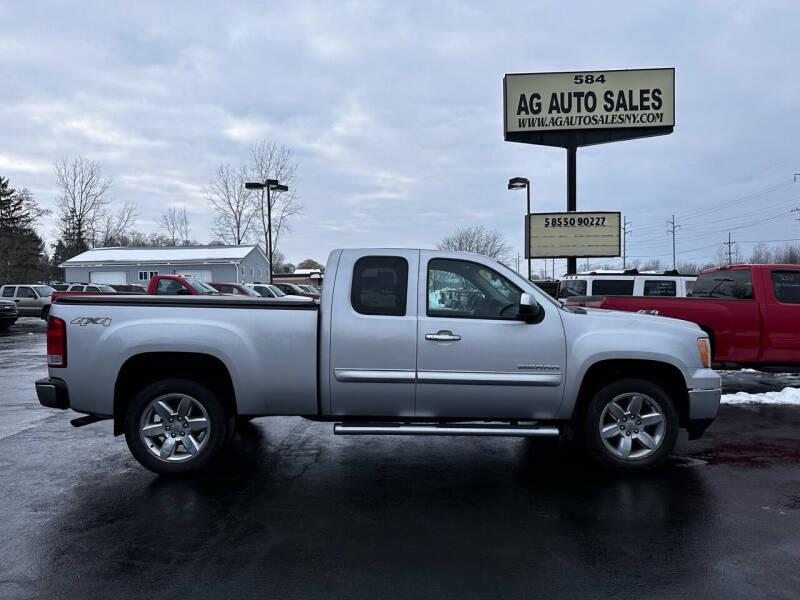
[113, 227]
[477, 239]
[271, 161]
[235, 213]
[82, 203]
[175, 223]
[761, 254]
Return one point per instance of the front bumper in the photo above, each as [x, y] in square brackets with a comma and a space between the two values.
[703, 404]
[52, 393]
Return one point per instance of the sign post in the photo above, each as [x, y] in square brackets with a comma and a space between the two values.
[584, 108]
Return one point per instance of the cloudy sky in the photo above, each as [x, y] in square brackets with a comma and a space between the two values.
[394, 111]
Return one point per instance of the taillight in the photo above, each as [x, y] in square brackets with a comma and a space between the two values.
[56, 342]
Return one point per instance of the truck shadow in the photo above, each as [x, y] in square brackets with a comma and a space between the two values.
[385, 515]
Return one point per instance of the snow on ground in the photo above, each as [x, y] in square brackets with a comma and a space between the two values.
[787, 395]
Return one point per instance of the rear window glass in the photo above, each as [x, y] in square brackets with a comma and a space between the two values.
[380, 284]
[8, 291]
[786, 285]
[571, 287]
[732, 284]
[612, 287]
[659, 287]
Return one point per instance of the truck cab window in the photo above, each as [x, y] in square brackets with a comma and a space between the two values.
[786, 285]
[731, 284]
[380, 285]
[460, 288]
[571, 287]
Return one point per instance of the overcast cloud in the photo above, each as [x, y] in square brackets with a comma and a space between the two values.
[395, 112]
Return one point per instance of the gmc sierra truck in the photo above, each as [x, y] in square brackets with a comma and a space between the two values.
[751, 313]
[402, 342]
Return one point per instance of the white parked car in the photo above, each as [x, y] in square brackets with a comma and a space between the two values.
[668, 284]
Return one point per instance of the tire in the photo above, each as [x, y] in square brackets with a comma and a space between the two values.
[184, 445]
[5, 325]
[632, 439]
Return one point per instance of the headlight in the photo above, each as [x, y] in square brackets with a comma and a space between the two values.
[704, 346]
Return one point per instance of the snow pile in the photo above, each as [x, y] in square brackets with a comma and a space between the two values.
[787, 395]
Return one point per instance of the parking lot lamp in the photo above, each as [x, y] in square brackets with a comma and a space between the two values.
[517, 183]
[269, 185]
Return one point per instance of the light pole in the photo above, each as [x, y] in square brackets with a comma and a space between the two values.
[517, 183]
[269, 184]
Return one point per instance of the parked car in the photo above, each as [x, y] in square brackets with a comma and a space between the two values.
[32, 300]
[379, 355]
[81, 289]
[8, 314]
[751, 313]
[234, 289]
[179, 285]
[310, 288]
[267, 290]
[295, 290]
[588, 289]
[129, 288]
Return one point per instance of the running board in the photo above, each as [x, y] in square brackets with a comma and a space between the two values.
[455, 429]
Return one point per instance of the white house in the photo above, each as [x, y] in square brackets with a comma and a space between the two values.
[229, 264]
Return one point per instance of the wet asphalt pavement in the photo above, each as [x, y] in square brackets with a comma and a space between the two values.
[290, 511]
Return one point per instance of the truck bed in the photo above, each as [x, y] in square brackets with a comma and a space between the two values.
[269, 346]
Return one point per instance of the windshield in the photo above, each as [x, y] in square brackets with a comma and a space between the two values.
[276, 290]
[107, 289]
[250, 292]
[202, 288]
[44, 290]
[571, 287]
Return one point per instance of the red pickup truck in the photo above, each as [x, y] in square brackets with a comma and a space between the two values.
[179, 285]
[750, 312]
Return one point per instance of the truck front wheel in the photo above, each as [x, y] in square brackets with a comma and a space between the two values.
[631, 425]
[175, 426]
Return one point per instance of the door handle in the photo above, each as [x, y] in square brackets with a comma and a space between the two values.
[442, 336]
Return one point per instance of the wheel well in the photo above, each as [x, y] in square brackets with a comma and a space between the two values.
[604, 372]
[143, 369]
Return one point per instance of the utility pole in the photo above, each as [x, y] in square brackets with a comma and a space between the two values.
[730, 244]
[671, 229]
[625, 233]
[796, 177]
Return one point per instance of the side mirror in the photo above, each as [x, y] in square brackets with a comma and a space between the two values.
[530, 311]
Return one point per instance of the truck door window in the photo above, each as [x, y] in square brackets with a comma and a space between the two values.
[731, 284]
[460, 288]
[168, 287]
[786, 285]
[659, 287]
[612, 287]
[380, 285]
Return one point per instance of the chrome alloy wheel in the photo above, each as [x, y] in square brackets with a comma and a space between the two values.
[174, 427]
[632, 426]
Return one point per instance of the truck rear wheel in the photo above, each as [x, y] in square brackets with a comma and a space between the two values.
[631, 425]
[175, 426]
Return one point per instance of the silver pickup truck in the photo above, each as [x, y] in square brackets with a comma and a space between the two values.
[402, 342]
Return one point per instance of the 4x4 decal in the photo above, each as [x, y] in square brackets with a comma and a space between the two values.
[84, 321]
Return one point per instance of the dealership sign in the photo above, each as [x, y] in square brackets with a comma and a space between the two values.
[543, 103]
[572, 234]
